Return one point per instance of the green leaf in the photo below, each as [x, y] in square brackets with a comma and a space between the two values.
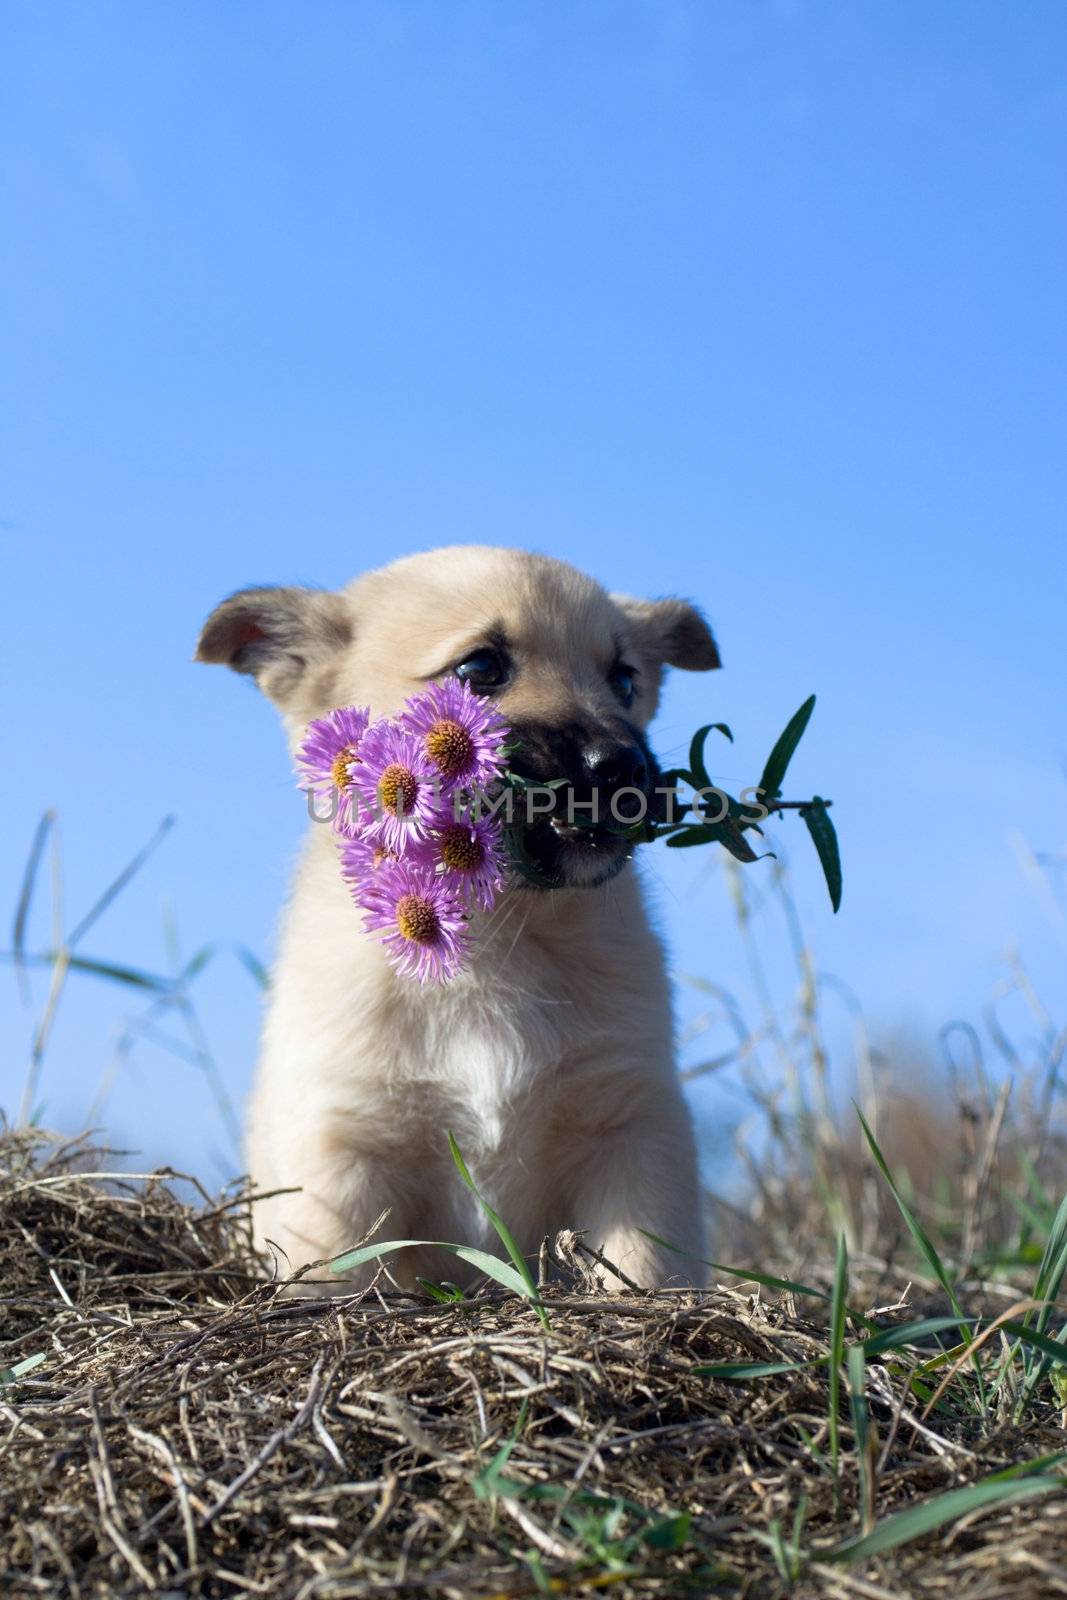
[778, 761]
[726, 833]
[692, 833]
[905, 1526]
[734, 841]
[521, 860]
[824, 837]
[673, 775]
[696, 752]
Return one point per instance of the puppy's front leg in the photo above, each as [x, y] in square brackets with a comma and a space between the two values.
[643, 1175]
[338, 1192]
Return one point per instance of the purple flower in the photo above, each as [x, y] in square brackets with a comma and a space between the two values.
[469, 854]
[397, 788]
[328, 755]
[360, 858]
[420, 917]
[462, 733]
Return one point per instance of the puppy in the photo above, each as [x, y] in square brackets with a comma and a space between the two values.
[550, 1056]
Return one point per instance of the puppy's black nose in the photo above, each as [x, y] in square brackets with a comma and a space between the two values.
[616, 766]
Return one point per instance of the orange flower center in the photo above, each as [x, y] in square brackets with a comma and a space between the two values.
[417, 919]
[398, 789]
[450, 747]
[341, 763]
[460, 850]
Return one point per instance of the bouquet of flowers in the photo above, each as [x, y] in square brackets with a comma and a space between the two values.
[415, 849]
[415, 803]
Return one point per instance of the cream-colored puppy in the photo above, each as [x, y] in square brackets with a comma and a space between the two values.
[551, 1055]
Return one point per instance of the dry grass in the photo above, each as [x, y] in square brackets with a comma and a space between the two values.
[173, 1423]
[193, 1430]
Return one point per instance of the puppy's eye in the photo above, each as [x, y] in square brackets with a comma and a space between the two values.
[483, 670]
[623, 680]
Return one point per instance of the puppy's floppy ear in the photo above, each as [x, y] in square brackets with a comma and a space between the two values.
[280, 636]
[672, 632]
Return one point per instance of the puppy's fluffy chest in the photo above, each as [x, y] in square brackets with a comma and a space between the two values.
[550, 1008]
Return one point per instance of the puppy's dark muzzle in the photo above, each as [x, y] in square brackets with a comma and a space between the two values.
[587, 783]
[612, 767]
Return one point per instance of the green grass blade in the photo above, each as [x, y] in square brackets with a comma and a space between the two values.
[742, 1370]
[372, 1252]
[907, 1333]
[766, 1279]
[196, 964]
[1050, 1273]
[507, 1238]
[926, 1247]
[838, 1311]
[130, 870]
[857, 1402]
[444, 1297]
[1050, 1347]
[20, 1369]
[132, 977]
[115, 972]
[1054, 1354]
[492, 1266]
[1040, 1466]
[253, 965]
[904, 1526]
[667, 1533]
[1047, 1285]
[776, 1542]
[911, 1221]
[519, 1282]
[485, 1483]
[29, 879]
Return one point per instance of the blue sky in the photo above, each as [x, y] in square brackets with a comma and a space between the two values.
[760, 303]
